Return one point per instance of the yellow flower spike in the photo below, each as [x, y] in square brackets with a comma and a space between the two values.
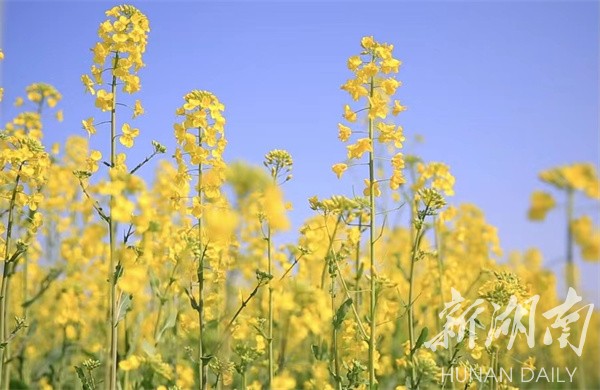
[59, 115]
[1, 55]
[344, 132]
[19, 102]
[274, 208]
[587, 238]
[439, 175]
[349, 115]
[41, 93]
[361, 146]
[339, 169]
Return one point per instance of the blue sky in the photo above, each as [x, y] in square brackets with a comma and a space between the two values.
[499, 90]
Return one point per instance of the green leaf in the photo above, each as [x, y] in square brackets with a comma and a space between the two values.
[85, 383]
[154, 284]
[340, 314]
[123, 308]
[148, 348]
[169, 323]
[420, 340]
[117, 274]
[315, 350]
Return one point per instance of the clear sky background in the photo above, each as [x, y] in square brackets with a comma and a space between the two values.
[499, 90]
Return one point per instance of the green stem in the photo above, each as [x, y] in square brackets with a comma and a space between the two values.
[570, 272]
[329, 246]
[361, 327]
[357, 265]
[334, 342]
[202, 367]
[571, 278]
[112, 227]
[6, 273]
[372, 319]
[411, 325]
[270, 328]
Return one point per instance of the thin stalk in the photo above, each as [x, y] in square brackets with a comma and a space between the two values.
[162, 302]
[243, 305]
[112, 227]
[202, 368]
[361, 327]
[23, 369]
[571, 278]
[329, 246]
[570, 274]
[440, 265]
[270, 314]
[335, 356]
[411, 327]
[4, 368]
[327, 265]
[357, 265]
[283, 346]
[25, 310]
[372, 323]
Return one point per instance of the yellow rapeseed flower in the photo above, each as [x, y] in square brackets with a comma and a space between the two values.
[344, 132]
[359, 148]
[339, 169]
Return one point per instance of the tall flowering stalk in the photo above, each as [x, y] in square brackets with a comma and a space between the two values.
[340, 243]
[28, 124]
[24, 163]
[571, 179]
[279, 163]
[373, 86]
[201, 139]
[123, 38]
